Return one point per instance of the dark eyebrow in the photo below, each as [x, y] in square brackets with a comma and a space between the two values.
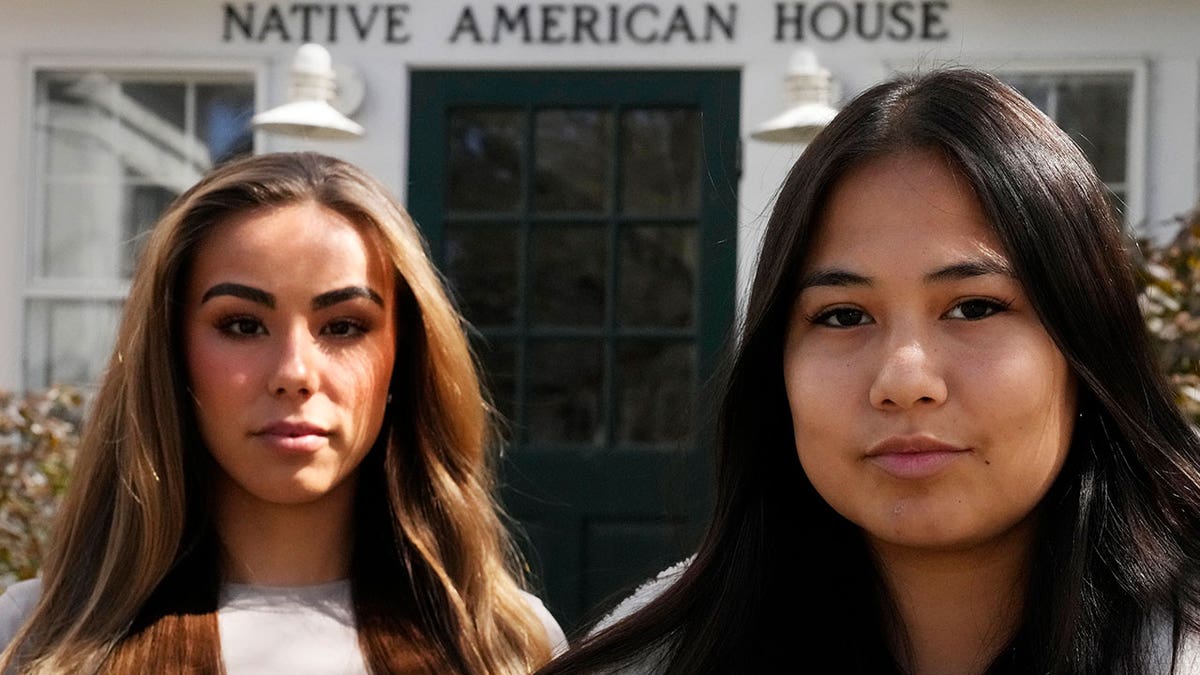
[331, 298]
[240, 291]
[971, 268]
[955, 272]
[832, 277]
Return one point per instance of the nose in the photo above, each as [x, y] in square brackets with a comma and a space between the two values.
[295, 372]
[908, 376]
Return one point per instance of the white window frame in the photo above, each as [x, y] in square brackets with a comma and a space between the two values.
[1134, 212]
[1136, 134]
[47, 288]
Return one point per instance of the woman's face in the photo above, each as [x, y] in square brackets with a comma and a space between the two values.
[290, 339]
[930, 406]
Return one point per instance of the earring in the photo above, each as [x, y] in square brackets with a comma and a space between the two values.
[389, 398]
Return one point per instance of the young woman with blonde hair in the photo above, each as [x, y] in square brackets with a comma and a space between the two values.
[286, 467]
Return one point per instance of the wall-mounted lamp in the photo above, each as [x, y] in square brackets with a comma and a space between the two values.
[809, 95]
[319, 99]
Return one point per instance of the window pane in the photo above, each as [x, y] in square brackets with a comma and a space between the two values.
[223, 119]
[486, 160]
[656, 390]
[573, 150]
[481, 266]
[143, 205]
[564, 400]
[1036, 91]
[660, 161]
[75, 127]
[1092, 108]
[1095, 112]
[164, 102]
[658, 267]
[568, 265]
[83, 229]
[68, 342]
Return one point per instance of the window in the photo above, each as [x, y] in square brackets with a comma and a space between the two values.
[1100, 109]
[111, 150]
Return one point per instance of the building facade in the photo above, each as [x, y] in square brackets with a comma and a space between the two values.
[585, 173]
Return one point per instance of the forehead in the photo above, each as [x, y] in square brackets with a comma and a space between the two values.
[290, 245]
[902, 206]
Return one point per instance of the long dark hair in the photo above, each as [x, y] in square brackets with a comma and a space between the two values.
[781, 578]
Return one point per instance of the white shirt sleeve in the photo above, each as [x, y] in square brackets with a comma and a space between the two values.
[15, 606]
[554, 632]
[644, 595]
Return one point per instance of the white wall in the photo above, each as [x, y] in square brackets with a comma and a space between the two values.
[1161, 34]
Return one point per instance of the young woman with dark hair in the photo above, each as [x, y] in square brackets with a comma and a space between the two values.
[943, 442]
[287, 467]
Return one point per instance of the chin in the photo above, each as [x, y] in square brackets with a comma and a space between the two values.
[293, 494]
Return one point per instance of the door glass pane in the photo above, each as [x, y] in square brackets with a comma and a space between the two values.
[486, 160]
[498, 358]
[655, 391]
[660, 162]
[68, 342]
[573, 150]
[564, 400]
[657, 272]
[481, 266]
[568, 264]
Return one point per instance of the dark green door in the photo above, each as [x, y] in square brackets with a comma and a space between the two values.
[586, 222]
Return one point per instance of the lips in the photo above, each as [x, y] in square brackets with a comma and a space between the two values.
[293, 437]
[915, 456]
[292, 429]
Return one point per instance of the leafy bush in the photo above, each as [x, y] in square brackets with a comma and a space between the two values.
[1170, 299]
[38, 440]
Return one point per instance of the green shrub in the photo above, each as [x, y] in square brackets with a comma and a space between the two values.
[38, 440]
[1170, 279]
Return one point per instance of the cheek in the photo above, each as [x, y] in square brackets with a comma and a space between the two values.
[823, 393]
[1027, 385]
[1026, 398]
[365, 377]
[216, 374]
[821, 390]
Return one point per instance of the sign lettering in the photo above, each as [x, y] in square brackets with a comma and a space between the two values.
[613, 23]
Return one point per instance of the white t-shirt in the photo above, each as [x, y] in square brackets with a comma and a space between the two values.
[269, 629]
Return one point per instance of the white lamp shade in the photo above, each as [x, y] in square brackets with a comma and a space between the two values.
[312, 119]
[809, 93]
[309, 111]
[799, 124]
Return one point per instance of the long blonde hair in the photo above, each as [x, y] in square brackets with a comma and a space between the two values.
[439, 590]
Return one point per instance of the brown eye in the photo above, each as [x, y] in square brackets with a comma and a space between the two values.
[976, 309]
[344, 328]
[242, 326]
[843, 317]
